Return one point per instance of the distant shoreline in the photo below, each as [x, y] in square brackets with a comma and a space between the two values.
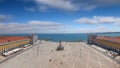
[65, 37]
[63, 40]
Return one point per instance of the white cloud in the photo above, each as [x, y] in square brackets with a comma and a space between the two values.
[89, 8]
[92, 4]
[74, 5]
[44, 23]
[31, 27]
[3, 18]
[43, 8]
[98, 20]
[97, 29]
[86, 20]
[31, 9]
[52, 27]
[59, 4]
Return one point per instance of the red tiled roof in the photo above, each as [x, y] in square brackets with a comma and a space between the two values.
[4, 39]
[109, 38]
[117, 37]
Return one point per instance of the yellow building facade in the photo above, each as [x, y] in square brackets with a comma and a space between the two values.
[108, 43]
[13, 44]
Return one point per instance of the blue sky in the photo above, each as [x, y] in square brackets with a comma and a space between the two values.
[59, 16]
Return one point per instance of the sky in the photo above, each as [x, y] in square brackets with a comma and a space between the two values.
[59, 16]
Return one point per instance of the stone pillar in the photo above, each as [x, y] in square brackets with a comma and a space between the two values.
[35, 39]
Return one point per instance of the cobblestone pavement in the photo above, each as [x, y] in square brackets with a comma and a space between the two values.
[74, 55]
